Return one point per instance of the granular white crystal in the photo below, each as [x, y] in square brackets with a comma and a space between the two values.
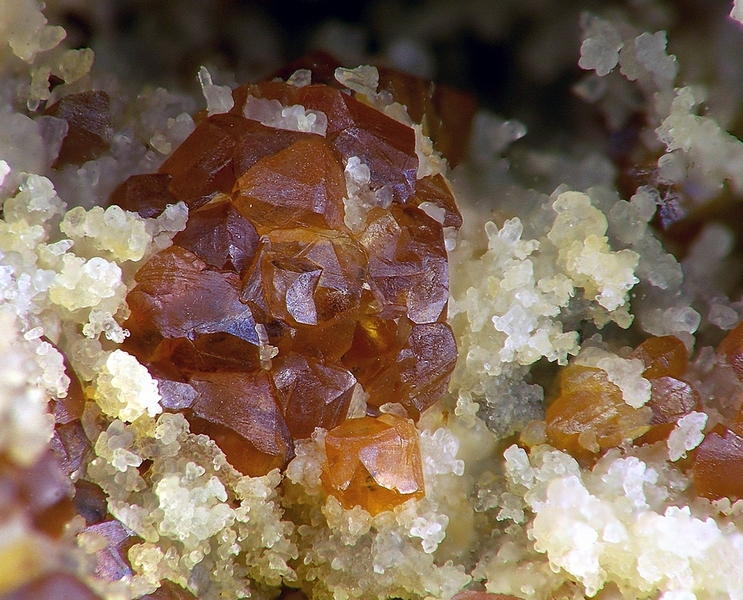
[294, 118]
[361, 198]
[24, 27]
[300, 78]
[218, 97]
[123, 234]
[601, 45]
[125, 389]
[4, 170]
[363, 79]
[439, 453]
[85, 283]
[723, 316]
[25, 423]
[687, 435]
[651, 53]
[625, 373]
[584, 252]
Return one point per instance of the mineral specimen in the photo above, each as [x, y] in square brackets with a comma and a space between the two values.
[310, 270]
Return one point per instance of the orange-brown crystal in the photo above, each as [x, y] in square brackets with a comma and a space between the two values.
[732, 349]
[374, 463]
[666, 361]
[663, 356]
[590, 414]
[718, 464]
[267, 312]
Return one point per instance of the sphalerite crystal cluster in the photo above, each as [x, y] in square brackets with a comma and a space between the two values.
[257, 351]
[309, 276]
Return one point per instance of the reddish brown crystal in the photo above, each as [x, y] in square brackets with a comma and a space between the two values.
[240, 412]
[718, 464]
[670, 400]
[414, 371]
[182, 308]
[267, 311]
[373, 463]
[43, 490]
[666, 361]
[300, 186]
[111, 561]
[311, 394]
[408, 268]
[147, 194]
[202, 165]
[446, 113]
[90, 128]
[732, 349]
[220, 236]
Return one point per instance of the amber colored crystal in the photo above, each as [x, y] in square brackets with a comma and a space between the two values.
[311, 185]
[240, 412]
[732, 349]
[373, 463]
[718, 465]
[56, 586]
[220, 236]
[590, 411]
[311, 394]
[90, 129]
[663, 356]
[268, 288]
[179, 299]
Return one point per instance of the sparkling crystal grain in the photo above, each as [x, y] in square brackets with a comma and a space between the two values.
[590, 414]
[373, 463]
[90, 128]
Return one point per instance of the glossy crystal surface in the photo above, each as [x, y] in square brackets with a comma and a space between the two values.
[590, 414]
[269, 311]
[374, 463]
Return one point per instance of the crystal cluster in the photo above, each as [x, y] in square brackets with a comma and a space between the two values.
[310, 272]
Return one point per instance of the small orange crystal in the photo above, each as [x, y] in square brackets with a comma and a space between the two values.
[590, 415]
[663, 356]
[374, 463]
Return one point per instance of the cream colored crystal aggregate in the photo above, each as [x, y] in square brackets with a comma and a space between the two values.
[204, 525]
